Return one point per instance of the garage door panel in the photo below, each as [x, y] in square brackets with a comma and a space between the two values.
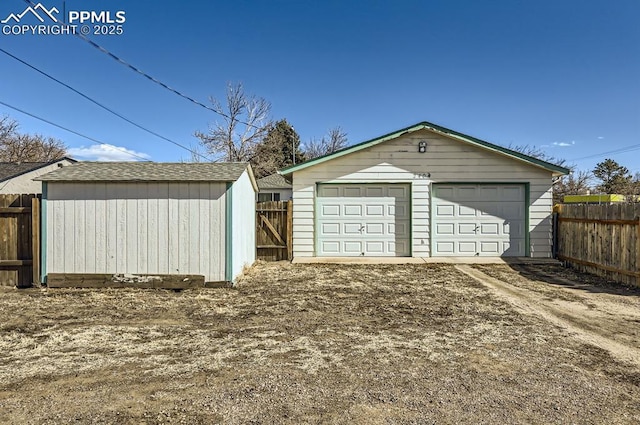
[445, 247]
[331, 210]
[370, 220]
[374, 228]
[445, 229]
[329, 191]
[512, 194]
[467, 248]
[491, 247]
[331, 247]
[445, 210]
[351, 210]
[375, 191]
[400, 210]
[352, 228]
[330, 228]
[466, 211]
[374, 210]
[466, 228]
[353, 247]
[482, 219]
[399, 229]
[375, 247]
[490, 193]
[351, 192]
[489, 229]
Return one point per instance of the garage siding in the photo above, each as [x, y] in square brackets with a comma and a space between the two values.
[446, 161]
[145, 228]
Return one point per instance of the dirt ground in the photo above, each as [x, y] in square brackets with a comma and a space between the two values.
[356, 344]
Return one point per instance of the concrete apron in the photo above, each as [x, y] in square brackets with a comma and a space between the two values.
[423, 260]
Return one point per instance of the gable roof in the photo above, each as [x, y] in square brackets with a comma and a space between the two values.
[149, 172]
[274, 181]
[424, 125]
[10, 170]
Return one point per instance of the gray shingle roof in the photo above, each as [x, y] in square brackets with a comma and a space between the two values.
[9, 170]
[12, 169]
[147, 171]
[274, 181]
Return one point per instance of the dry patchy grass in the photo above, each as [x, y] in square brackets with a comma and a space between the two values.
[296, 344]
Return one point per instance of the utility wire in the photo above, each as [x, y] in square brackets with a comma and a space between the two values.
[149, 77]
[72, 131]
[95, 102]
[621, 150]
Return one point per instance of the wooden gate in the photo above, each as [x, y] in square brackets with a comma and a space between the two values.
[274, 230]
[19, 240]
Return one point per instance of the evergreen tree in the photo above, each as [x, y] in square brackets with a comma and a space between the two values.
[280, 148]
[614, 177]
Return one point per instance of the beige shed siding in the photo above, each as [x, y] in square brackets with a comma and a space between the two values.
[162, 228]
[243, 233]
[447, 160]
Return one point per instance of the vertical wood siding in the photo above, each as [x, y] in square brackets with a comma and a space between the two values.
[446, 160]
[145, 228]
[243, 233]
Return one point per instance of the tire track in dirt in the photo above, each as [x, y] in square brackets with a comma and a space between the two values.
[531, 303]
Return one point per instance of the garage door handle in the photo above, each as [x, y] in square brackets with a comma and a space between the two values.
[476, 229]
[361, 229]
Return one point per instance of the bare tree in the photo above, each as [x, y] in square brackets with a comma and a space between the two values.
[335, 140]
[245, 122]
[17, 147]
[537, 152]
[576, 183]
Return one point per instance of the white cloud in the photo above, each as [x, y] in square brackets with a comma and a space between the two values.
[564, 144]
[600, 137]
[106, 152]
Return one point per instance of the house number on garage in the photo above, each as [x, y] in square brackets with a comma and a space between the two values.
[421, 175]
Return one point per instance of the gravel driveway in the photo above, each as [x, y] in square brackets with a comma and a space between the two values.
[312, 343]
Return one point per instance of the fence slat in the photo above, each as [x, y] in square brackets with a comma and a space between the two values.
[601, 239]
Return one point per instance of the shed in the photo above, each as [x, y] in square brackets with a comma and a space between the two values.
[423, 191]
[274, 188]
[17, 177]
[145, 218]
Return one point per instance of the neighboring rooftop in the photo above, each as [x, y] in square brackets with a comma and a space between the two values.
[9, 170]
[274, 181]
[147, 171]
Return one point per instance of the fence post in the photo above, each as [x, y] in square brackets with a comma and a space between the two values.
[638, 252]
[35, 239]
[290, 230]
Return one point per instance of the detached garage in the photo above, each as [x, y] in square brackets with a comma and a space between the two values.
[423, 191]
[159, 219]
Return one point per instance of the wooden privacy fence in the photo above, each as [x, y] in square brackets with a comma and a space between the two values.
[19, 240]
[274, 230]
[601, 239]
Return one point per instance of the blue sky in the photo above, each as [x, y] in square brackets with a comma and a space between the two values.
[560, 75]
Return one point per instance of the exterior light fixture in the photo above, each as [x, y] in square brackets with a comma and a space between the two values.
[422, 146]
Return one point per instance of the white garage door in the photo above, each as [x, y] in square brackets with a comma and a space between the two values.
[363, 220]
[482, 220]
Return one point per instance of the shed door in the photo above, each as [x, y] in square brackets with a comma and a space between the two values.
[363, 220]
[478, 220]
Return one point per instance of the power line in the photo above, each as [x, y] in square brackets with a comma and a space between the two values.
[72, 131]
[95, 102]
[621, 150]
[149, 77]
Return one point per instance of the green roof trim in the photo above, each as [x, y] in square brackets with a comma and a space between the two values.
[556, 169]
